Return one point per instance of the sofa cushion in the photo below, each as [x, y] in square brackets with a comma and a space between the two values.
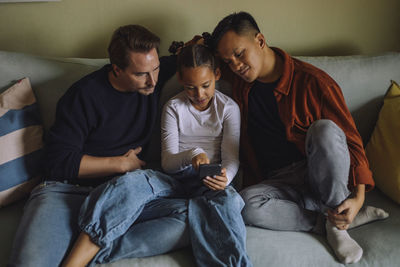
[21, 142]
[383, 149]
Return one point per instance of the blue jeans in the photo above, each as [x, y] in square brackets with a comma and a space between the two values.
[217, 230]
[293, 198]
[48, 227]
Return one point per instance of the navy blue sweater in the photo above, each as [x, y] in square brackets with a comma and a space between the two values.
[95, 119]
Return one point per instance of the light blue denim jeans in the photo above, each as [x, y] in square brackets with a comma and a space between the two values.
[217, 230]
[49, 227]
[293, 198]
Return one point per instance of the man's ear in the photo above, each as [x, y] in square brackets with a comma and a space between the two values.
[261, 40]
[217, 74]
[116, 70]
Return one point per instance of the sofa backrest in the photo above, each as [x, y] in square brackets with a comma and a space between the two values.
[50, 77]
[363, 79]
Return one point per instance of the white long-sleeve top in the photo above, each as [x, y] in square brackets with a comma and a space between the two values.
[187, 132]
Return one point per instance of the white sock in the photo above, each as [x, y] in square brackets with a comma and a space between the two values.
[346, 249]
[368, 214]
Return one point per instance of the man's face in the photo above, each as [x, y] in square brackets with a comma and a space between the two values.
[243, 54]
[141, 75]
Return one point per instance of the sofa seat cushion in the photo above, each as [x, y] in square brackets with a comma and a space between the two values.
[380, 241]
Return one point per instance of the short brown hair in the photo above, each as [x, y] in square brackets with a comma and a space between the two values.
[130, 38]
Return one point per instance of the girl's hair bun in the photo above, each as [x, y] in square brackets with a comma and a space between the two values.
[207, 39]
[175, 46]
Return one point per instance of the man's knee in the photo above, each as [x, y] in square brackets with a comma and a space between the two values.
[253, 211]
[257, 194]
[254, 200]
[323, 130]
[325, 134]
[145, 180]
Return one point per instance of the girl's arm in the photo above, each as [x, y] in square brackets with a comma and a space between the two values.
[230, 140]
[171, 159]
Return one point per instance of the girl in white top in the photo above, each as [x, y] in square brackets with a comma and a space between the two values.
[200, 125]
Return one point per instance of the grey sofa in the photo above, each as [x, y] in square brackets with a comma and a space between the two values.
[364, 80]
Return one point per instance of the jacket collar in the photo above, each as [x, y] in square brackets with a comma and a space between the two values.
[285, 81]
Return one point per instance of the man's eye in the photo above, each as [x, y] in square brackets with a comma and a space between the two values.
[206, 86]
[239, 54]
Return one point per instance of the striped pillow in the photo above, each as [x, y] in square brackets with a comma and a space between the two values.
[21, 142]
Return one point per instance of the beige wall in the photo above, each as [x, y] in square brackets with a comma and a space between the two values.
[82, 28]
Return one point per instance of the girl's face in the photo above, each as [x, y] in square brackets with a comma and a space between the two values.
[199, 85]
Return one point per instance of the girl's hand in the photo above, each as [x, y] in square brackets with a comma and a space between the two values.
[218, 182]
[200, 159]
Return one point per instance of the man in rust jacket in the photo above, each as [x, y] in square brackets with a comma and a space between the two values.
[303, 158]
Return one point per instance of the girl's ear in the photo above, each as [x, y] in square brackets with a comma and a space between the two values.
[217, 74]
[261, 40]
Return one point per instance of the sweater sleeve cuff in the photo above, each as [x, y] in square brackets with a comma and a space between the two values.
[76, 164]
[362, 175]
[195, 152]
[229, 175]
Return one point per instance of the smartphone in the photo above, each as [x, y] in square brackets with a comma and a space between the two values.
[209, 170]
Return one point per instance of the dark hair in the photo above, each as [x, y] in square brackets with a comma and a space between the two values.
[241, 23]
[196, 55]
[130, 38]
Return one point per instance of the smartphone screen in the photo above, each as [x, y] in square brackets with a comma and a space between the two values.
[209, 170]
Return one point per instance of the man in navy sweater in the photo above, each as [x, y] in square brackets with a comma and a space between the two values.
[102, 123]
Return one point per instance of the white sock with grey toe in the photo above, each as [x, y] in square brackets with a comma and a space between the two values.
[346, 248]
[368, 214]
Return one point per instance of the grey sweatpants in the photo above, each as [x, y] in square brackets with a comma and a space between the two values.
[292, 198]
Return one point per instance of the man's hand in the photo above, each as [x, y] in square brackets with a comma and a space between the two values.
[94, 167]
[130, 160]
[218, 182]
[345, 213]
[200, 159]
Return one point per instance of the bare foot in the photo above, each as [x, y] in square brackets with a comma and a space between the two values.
[82, 252]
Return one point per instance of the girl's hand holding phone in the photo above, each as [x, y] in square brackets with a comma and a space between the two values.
[218, 182]
[200, 159]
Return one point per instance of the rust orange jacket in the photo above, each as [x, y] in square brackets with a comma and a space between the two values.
[304, 94]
